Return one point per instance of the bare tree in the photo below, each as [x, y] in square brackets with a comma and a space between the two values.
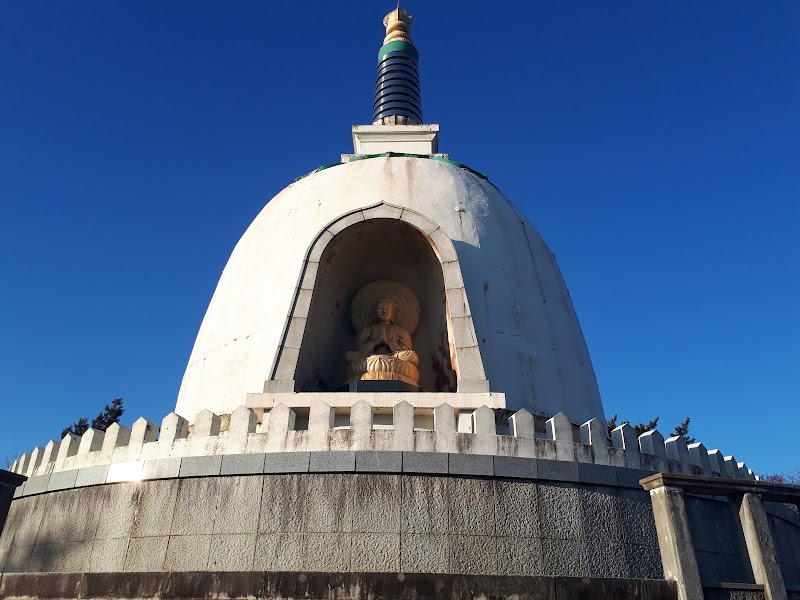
[793, 477]
[5, 463]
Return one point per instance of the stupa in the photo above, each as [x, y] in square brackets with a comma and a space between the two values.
[390, 396]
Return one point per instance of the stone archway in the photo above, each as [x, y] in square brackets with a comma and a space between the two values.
[464, 355]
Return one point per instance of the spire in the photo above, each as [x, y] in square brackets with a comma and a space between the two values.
[397, 23]
[397, 95]
[397, 111]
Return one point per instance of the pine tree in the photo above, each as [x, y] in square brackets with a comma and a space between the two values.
[612, 424]
[639, 428]
[78, 428]
[682, 430]
[110, 415]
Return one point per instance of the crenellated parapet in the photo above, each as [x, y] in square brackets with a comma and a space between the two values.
[363, 427]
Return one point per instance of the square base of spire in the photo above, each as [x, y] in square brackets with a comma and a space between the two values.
[407, 139]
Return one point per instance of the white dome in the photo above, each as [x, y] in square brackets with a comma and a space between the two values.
[527, 332]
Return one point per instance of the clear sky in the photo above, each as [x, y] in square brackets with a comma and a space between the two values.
[655, 145]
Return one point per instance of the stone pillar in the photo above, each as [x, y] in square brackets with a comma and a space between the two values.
[403, 421]
[522, 424]
[559, 429]
[761, 547]
[595, 434]
[624, 438]
[675, 541]
[698, 455]
[361, 425]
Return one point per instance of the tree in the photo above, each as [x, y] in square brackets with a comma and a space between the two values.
[79, 427]
[8, 461]
[682, 430]
[639, 428]
[110, 415]
[793, 478]
[612, 423]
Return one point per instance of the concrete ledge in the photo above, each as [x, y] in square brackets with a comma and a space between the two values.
[379, 462]
[631, 477]
[287, 462]
[36, 485]
[130, 451]
[701, 484]
[462, 400]
[242, 464]
[434, 463]
[20, 491]
[597, 474]
[163, 468]
[424, 462]
[470, 464]
[62, 480]
[323, 462]
[519, 468]
[91, 476]
[324, 586]
[200, 466]
[557, 470]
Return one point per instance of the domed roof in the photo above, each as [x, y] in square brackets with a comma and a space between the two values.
[526, 329]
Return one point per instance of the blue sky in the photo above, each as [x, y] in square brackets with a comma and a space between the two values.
[655, 146]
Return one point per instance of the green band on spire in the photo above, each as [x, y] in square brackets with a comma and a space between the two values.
[398, 46]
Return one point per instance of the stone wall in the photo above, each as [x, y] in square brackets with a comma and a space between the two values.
[784, 523]
[324, 586]
[476, 430]
[719, 545]
[9, 482]
[341, 522]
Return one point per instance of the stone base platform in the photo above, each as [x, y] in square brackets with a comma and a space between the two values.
[323, 586]
[374, 385]
[380, 399]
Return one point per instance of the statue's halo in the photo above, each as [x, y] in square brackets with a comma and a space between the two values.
[362, 311]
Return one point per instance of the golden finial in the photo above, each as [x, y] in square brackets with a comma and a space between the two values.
[397, 25]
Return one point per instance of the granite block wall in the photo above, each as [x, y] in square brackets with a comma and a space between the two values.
[337, 522]
[718, 541]
[785, 526]
[256, 585]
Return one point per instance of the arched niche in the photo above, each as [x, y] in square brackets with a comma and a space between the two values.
[369, 250]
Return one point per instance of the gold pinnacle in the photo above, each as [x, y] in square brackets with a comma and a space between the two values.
[397, 25]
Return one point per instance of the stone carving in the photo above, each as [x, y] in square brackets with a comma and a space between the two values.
[384, 313]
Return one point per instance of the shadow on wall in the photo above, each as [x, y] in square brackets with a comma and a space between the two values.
[369, 251]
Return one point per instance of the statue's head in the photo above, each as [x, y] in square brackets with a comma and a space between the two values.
[385, 302]
[385, 309]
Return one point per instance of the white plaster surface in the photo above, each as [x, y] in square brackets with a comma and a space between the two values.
[532, 346]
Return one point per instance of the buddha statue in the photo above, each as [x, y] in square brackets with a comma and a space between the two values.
[383, 312]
